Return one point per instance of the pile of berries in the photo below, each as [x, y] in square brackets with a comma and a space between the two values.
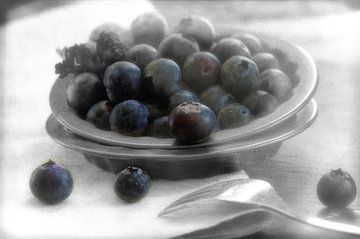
[184, 84]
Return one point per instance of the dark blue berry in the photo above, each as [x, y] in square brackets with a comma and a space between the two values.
[276, 83]
[51, 183]
[83, 91]
[336, 189]
[99, 114]
[265, 61]
[216, 98]
[156, 110]
[141, 55]
[192, 122]
[181, 96]
[160, 128]
[177, 47]
[198, 28]
[132, 184]
[149, 28]
[162, 78]
[252, 42]
[129, 117]
[238, 75]
[260, 103]
[201, 70]
[234, 115]
[228, 47]
[122, 81]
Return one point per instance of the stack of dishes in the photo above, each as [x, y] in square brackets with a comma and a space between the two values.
[165, 158]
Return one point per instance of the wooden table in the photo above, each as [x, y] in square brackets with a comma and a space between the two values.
[328, 31]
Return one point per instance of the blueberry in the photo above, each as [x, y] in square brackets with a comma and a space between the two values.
[149, 28]
[51, 183]
[198, 28]
[156, 110]
[276, 83]
[336, 189]
[252, 42]
[121, 34]
[162, 78]
[141, 55]
[112, 42]
[234, 115]
[260, 103]
[238, 75]
[181, 96]
[99, 114]
[122, 81]
[160, 128]
[132, 184]
[85, 90]
[265, 61]
[228, 47]
[201, 70]
[129, 117]
[177, 47]
[192, 122]
[216, 98]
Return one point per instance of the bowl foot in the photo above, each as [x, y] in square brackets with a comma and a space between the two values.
[176, 170]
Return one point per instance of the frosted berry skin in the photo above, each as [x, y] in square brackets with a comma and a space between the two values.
[228, 47]
[201, 70]
[141, 55]
[99, 114]
[238, 75]
[234, 115]
[260, 103]
[198, 28]
[216, 98]
[181, 96]
[277, 83]
[149, 28]
[160, 128]
[132, 184]
[192, 122]
[265, 61]
[129, 117]
[162, 78]
[122, 81]
[177, 47]
[83, 91]
[252, 42]
[336, 189]
[51, 183]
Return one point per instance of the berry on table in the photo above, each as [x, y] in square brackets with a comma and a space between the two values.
[51, 183]
[336, 189]
[132, 184]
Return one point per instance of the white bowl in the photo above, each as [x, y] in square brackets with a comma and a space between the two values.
[186, 162]
[302, 94]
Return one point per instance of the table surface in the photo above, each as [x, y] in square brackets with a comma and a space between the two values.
[327, 30]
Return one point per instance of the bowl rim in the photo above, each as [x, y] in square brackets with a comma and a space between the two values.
[302, 94]
[277, 134]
